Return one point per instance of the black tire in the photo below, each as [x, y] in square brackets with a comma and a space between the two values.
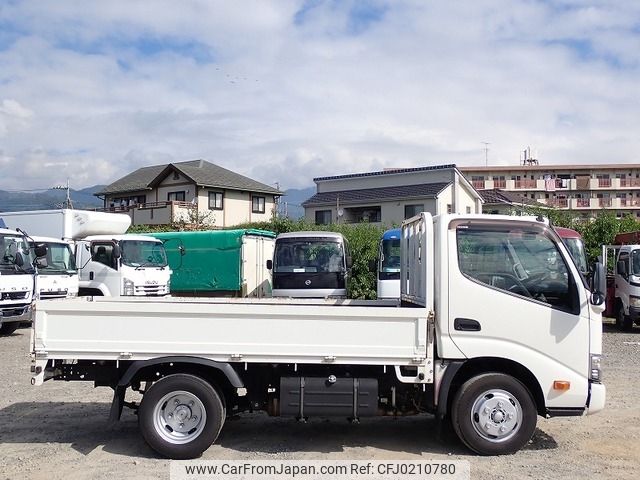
[623, 322]
[495, 396]
[163, 406]
[8, 328]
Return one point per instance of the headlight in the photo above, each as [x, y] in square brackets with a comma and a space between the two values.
[128, 287]
[634, 301]
[168, 285]
[596, 372]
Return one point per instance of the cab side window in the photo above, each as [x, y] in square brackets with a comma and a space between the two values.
[624, 257]
[102, 253]
[523, 262]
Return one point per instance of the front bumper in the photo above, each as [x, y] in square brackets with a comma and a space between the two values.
[16, 313]
[597, 397]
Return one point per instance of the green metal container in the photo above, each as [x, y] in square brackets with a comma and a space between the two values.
[219, 262]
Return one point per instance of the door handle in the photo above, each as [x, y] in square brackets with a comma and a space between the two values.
[466, 325]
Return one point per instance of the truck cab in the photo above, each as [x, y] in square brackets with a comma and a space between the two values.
[310, 265]
[388, 265]
[16, 281]
[57, 272]
[122, 265]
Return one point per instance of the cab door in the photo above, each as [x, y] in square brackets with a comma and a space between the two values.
[515, 294]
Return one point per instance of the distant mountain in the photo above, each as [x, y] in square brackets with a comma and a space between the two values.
[292, 201]
[49, 199]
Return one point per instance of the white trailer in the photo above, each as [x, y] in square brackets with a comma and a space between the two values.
[110, 263]
[526, 341]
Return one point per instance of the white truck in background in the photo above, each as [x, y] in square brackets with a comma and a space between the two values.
[525, 342]
[311, 264]
[109, 262]
[57, 271]
[16, 280]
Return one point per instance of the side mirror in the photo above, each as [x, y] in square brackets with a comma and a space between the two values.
[349, 262]
[40, 250]
[621, 268]
[117, 253]
[598, 284]
[41, 262]
[269, 264]
[18, 259]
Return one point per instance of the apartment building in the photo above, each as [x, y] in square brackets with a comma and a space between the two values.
[586, 189]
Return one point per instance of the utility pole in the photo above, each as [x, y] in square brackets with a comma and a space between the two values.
[486, 153]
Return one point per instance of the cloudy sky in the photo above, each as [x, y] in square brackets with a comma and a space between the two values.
[286, 90]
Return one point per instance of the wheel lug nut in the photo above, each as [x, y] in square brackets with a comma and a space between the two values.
[176, 401]
[170, 415]
[191, 403]
[181, 425]
[500, 404]
[487, 426]
[195, 418]
[486, 410]
[502, 429]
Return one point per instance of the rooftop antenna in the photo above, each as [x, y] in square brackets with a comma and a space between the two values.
[67, 202]
[486, 153]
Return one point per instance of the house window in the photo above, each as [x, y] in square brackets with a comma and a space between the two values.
[323, 217]
[468, 209]
[413, 210]
[257, 204]
[215, 200]
[449, 208]
[176, 196]
[176, 176]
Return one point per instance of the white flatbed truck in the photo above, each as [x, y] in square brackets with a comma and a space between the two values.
[496, 327]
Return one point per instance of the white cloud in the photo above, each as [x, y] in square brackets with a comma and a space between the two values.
[98, 93]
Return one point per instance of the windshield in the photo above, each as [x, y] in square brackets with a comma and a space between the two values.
[576, 249]
[11, 245]
[635, 262]
[143, 253]
[308, 255]
[60, 259]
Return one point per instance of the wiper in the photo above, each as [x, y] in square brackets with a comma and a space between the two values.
[145, 265]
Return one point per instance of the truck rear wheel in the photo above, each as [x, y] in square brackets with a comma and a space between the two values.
[494, 414]
[8, 328]
[180, 416]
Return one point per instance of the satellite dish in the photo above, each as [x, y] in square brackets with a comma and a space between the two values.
[340, 212]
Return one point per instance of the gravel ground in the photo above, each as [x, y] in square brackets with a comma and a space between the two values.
[59, 431]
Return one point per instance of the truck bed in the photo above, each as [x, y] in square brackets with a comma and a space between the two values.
[236, 330]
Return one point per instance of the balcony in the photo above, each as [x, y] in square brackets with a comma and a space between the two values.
[559, 203]
[604, 202]
[478, 184]
[604, 183]
[583, 202]
[154, 213]
[629, 182]
[525, 184]
[500, 184]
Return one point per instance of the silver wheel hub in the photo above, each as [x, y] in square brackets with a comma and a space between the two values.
[179, 417]
[496, 415]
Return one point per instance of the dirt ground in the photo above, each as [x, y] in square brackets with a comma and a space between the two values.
[59, 431]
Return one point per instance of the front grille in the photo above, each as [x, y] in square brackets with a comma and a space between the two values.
[151, 290]
[58, 294]
[13, 295]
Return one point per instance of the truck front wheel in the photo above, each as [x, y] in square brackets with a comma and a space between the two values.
[494, 414]
[180, 416]
[7, 328]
